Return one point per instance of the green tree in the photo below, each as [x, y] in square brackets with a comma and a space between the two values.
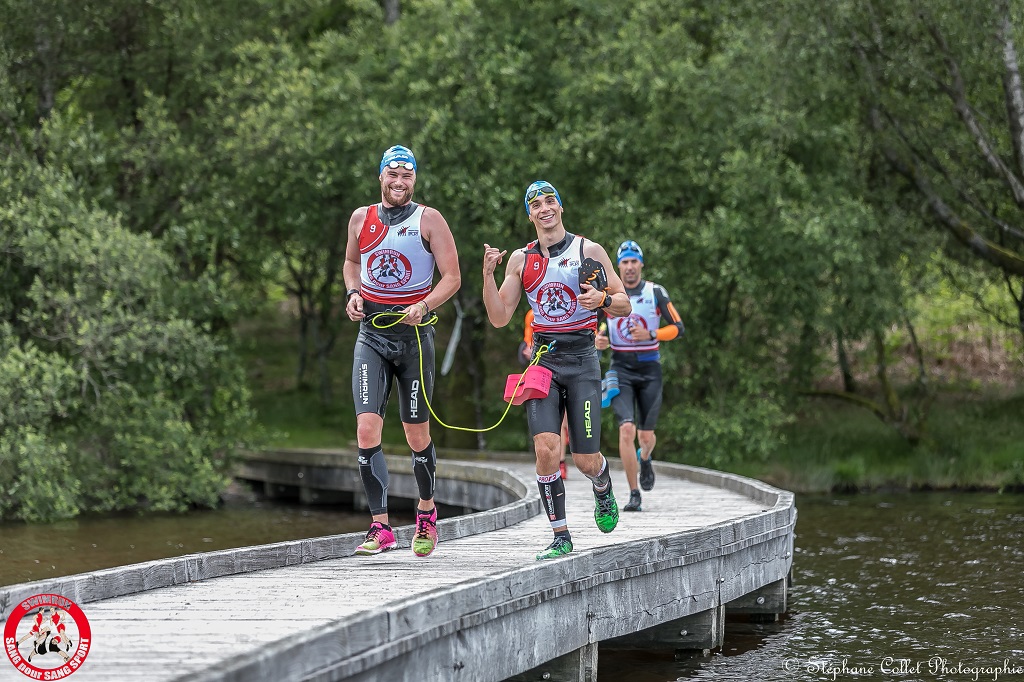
[942, 91]
[121, 401]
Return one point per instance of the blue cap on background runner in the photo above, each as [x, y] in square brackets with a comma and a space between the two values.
[538, 187]
[398, 157]
[629, 249]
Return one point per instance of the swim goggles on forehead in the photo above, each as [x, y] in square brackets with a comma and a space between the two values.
[407, 165]
[629, 249]
[535, 192]
[540, 188]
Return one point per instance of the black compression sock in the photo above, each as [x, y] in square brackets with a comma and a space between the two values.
[603, 481]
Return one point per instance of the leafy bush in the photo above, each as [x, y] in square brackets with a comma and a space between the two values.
[112, 397]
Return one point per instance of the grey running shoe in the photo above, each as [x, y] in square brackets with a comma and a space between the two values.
[606, 511]
[560, 546]
[646, 474]
[634, 501]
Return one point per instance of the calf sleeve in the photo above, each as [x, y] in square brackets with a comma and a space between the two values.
[373, 470]
[424, 464]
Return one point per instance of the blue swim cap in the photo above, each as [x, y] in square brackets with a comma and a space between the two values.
[398, 156]
[629, 249]
[538, 187]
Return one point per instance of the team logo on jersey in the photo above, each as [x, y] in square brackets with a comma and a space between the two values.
[625, 325]
[388, 269]
[568, 263]
[407, 232]
[557, 302]
[47, 637]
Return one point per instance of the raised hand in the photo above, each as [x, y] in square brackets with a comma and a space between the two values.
[492, 258]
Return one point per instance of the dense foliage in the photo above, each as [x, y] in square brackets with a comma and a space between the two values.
[167, 166]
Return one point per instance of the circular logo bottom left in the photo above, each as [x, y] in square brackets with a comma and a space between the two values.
[47, 637]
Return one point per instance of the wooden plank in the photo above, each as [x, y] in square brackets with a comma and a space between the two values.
[479, 608]
[576, 666]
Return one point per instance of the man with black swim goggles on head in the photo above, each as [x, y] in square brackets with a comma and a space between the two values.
[392, 250]
[549, 271]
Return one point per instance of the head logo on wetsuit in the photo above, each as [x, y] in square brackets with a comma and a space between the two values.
[388, 269]
[557, 301]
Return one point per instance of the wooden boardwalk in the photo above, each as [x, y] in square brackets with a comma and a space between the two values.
[480, 608]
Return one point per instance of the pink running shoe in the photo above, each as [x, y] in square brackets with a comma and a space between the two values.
[425, 539]
[378, 539]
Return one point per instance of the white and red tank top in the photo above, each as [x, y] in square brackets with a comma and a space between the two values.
[396, 268]
[645, 315]
[552, 288]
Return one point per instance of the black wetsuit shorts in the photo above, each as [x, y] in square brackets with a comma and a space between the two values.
[639, 387]
[575, 391]
[383, 356]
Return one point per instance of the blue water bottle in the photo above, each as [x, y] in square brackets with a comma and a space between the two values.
[609, 387]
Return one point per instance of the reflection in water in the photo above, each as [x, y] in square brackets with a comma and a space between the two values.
[905, 586]
[35, 552]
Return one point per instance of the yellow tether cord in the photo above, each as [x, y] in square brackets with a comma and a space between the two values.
[419, 347]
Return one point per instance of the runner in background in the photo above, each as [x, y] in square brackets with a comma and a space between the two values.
[636, 360]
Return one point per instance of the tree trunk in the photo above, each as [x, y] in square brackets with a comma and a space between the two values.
[849, 383]
[392, 10]
[300, 370]
[46, 97]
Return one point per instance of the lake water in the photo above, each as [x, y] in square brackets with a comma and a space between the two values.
[36, 552]
[923, 586]
[913, 586]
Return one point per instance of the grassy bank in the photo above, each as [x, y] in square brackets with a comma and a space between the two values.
[976, 441]
[976, 432]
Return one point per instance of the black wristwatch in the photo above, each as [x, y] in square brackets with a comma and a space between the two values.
[607, 300]
[348, 294]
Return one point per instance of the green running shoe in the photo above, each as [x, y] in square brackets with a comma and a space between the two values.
[606, 512]
[560, 546]
[425, 539]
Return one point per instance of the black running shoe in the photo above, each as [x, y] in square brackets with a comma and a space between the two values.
[634, 501]
[646, 474]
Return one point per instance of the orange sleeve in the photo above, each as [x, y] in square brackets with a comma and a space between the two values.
[528, 328]
[670, 331]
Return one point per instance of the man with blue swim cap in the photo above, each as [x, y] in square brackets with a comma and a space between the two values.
[537, 188]
[636, 362]
[392, 251]
[398, 157]
[549, 271]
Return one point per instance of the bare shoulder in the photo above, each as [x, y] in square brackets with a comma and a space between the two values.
[593, 249]
[358, 216]
[432, 217]
[516, 261]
